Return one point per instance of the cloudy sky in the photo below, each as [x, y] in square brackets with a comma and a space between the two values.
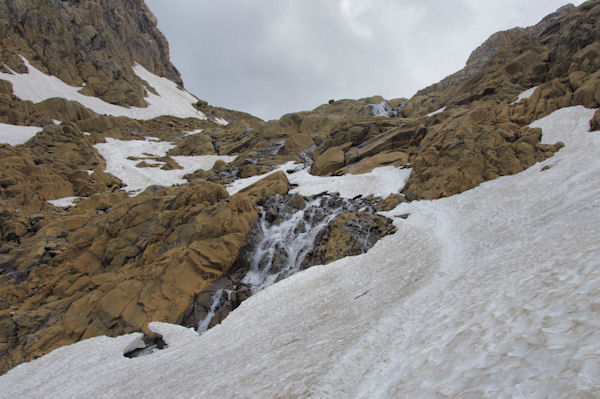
[271, 57]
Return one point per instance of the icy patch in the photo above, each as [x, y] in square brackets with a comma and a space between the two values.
[16, 135]
[490, 293]
[436, 111]
[193, 132]
[221, 121]
[115, 152]
[380, 182]
[526, 94]
[36, 86]
[64, 202]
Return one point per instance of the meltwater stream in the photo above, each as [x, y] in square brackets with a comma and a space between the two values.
[292, 234]
[287, 235]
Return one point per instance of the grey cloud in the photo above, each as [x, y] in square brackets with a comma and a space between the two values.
[270, 57]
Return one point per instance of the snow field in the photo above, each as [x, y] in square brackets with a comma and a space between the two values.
[494, 292]
[36, 86]
[380, 182]
[16, 135]
[115, 153]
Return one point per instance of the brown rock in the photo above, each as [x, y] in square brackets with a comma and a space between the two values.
[275, 183]
[194, 144]
[595, 121]
[328, 162]
[296, 143]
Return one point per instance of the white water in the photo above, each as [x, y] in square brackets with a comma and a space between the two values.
[203, 324]
[294, 237]
[382, 109]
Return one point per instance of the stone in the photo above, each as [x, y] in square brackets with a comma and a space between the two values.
[328, 162]
[275, 183]
[595, 122]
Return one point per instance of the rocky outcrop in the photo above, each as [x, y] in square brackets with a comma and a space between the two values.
[293, 233]
[113, 264]
[92, 42]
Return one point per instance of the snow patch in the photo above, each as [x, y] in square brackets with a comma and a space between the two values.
[64, 202]
[221, 121]
[193, 132]
[36, 86]
[436, 111]
[115, 152]
[526, 94]
[380, 182]
[16, 135]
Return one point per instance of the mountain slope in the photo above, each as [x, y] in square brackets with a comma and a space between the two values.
[95, 241]
[488, 293]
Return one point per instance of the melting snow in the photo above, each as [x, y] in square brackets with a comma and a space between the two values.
[526, 94]
[221, 121]
[436, 112]
[36, 86]
[490, 293]
[64, 202]
[193, 132]
[15, 135]
[115, 152]
[380, 182]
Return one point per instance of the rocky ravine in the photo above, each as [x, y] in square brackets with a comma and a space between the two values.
[115, 262]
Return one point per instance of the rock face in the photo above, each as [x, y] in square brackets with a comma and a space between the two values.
[92, 42]
[292, 234]
[112, 263]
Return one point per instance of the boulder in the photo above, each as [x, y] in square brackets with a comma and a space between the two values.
[194, 144]
[328, 162]
[275, 183]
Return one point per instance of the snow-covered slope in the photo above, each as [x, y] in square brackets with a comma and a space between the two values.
[494, 292]
[122, 156]
[15, 135]
[36, 86]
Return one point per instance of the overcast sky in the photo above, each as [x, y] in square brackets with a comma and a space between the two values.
[271, 57]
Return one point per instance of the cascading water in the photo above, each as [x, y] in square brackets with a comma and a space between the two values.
[288, 235]
[292, 234]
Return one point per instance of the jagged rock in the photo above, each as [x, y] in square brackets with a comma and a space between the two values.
[350, 234]
[99, 49]
[145, 259]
